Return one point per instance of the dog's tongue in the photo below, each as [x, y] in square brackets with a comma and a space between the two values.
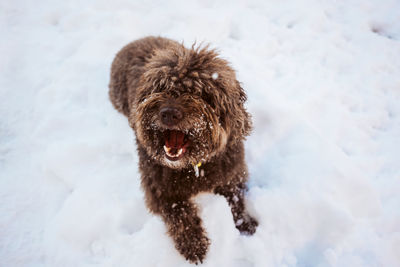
[174, 139]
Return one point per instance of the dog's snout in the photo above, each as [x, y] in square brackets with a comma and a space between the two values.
[170, 115]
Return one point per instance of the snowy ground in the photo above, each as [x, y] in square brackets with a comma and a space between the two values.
[323, 80]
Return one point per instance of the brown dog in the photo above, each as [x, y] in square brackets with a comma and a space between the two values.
[186, 108]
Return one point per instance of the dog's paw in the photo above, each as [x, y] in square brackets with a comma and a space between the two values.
[247, 225]
[193, 245]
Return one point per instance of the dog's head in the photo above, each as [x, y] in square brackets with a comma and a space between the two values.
[188, 107]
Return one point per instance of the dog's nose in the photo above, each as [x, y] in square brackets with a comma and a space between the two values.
[170, 115]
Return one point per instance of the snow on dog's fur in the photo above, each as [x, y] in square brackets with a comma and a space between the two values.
[187, 111]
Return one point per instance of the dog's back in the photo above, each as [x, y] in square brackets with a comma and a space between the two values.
[127, 68]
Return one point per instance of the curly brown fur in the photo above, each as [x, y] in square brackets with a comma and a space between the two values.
[186, 108]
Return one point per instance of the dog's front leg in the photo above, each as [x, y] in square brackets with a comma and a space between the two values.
[184, 226]
[234, 194]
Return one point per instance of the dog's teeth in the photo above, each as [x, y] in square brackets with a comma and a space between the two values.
[167, 149]
[179, 152]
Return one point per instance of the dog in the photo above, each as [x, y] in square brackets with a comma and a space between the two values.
[187, 111]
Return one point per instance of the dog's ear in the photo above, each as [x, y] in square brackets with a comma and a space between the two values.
[243, 122]
[237, 120]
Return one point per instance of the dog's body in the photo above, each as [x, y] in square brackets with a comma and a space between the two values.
[186, 108]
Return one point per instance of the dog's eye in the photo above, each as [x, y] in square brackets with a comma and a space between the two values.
[209, 100]
[141, 98]
[222, 121]
[173, 94]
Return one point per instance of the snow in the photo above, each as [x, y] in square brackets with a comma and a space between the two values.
[323, 84]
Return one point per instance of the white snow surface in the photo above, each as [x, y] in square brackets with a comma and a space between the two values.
[323, 84]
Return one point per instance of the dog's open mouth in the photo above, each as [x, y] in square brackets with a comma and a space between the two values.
[176, 144]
